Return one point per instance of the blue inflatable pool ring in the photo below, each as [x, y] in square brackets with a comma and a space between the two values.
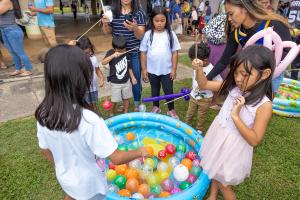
[160, 128]
[287, 101]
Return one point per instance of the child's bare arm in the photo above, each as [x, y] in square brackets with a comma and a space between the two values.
[47, 153]
[174, 65]
[253, 135]
[132, 77]
[201, 79]
[144, 66]
[100, 76]
[121, 157]
[106, 60]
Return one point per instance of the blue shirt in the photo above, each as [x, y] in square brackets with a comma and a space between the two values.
[44, 20]
[176, 10]
[118, 29]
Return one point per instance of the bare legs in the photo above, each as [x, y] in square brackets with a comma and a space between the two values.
[227, 191]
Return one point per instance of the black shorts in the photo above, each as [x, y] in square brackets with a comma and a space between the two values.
[1, 39]
[195, 22]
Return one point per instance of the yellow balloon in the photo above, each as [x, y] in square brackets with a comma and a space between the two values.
[150, 162]
[162, 175]
[152, 179]
[111, 175]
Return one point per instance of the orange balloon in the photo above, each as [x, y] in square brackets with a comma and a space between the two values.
[121, 169]
[124, 193]
[187, 162]
[144, 189]
[131, 173]
[164, 194]
[150, 150]
[132, 185]
[130, 136]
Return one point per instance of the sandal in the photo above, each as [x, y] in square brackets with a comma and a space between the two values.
[15, 73]
[155, 109]
[25, 73]
[120, 109]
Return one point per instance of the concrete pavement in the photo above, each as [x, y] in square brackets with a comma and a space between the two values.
[19, 97]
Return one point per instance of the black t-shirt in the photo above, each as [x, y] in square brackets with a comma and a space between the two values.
[281, 29]
[118, 68]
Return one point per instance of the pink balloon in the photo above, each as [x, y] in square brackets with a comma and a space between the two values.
[167, 185]
[175, 190]
[268, 39]
[288, 58]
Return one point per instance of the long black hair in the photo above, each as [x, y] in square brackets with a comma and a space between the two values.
[252, 57]
[17, 9]
[159, 10]
[68, 74]
[117, 6]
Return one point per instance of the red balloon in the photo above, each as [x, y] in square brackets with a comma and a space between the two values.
[191, 155]
[170, 149]
[111, 165]
[106, 105]
[162, 154]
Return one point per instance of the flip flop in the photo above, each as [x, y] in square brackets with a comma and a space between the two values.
[15, 73]
[3, 66]
[26, 73]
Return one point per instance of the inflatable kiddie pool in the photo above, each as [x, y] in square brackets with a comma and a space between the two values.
[287, 101]
[158, 130]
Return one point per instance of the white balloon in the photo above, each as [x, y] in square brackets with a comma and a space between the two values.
[137, 196]
[162, 167]
[135, 164]
[181, 173]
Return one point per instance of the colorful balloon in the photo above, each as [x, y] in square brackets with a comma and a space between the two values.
[155, 189]
[188, 163]
[181, 172]
[184, 185]
[135, 164]
[131, 173]
[124, 193]
[120, 181]
[111, 175]
[173, 162]
[162, 175]
[113, 188]
[132, 185]
[164, 194]
[170, 149]
[181, 148]
[137, 196]
[152, 179]
[196, 170]
[162, 154]
[192, 155]
[121, 169]
[191, 179]
[150, 162]
[175, 191]
[196, 162]
[106, 105]
[162, 166]
[144, 189]
[167, 185]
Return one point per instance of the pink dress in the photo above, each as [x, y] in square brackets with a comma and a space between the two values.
[226, 155]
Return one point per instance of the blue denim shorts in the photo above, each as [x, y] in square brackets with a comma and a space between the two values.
[276, 82]
[92, 97]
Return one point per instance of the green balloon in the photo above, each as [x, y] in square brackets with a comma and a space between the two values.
[184, 185]
[120, 181]
[196, 171]
[181, 148]
[122, 147]
[133, 146]
[155, 189]
[155, 159]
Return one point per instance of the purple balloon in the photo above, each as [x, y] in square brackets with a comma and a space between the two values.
[191, 179]
[196, 162]
[175, 190]
[167, 185]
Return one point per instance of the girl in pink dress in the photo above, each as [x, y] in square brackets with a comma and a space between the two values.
[241, 124]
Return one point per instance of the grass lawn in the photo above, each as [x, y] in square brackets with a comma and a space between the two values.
[25, 174]
[184, 59]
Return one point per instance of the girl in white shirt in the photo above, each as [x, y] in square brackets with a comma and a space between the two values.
[69, 133]
[159, 57]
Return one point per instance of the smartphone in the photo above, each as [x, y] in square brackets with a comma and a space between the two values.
[129, 17]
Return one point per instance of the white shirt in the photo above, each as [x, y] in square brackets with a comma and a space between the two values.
[159, 53]
[194, 15]
[200, 94]
[74, 155]
[201, 7]
[95, 64]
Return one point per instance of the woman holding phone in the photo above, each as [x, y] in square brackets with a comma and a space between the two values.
[130, 21]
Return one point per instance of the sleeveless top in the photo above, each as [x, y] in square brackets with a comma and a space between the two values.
[247, 114]
[7, 19]
[239, 35]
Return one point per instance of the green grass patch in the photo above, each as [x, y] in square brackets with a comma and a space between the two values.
[25, 174]
[184, 59]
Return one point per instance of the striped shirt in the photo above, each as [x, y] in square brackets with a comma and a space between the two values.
[118, 29]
